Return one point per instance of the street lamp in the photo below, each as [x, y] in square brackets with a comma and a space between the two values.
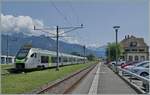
[116, 30]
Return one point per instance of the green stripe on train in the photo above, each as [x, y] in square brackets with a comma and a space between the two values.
[20, 61]
[49, 60]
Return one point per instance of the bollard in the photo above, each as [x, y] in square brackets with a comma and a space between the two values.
[147, 87]
[130, 78]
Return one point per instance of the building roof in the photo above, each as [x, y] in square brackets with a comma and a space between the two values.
[126, 42]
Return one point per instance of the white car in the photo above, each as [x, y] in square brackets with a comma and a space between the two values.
[137, 65]
[141, 68]
[119, 63]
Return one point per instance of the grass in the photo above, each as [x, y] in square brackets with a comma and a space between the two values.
[22, 83]
[5, 67]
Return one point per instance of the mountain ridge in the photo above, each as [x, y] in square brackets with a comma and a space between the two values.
[16, 40]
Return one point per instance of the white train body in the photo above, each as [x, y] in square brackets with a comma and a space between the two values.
[28, 58]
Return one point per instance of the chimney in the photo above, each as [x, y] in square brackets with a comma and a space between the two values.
[125, 37]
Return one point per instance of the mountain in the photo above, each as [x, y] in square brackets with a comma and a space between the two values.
[99, 51]
[16, 40]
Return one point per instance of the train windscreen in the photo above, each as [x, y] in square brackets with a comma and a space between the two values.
[22, 53]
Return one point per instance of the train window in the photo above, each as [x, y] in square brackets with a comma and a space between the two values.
[35, 55]
[54, 59]
[44, 59]
[69, 59]
[60, 59]
[32, 54]
[65, 59]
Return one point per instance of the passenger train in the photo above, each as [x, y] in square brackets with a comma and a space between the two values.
[28, 58]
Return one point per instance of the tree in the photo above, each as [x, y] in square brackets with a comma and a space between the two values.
[111, 51]
[91, 57]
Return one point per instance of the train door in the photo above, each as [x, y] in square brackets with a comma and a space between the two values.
[34, 58]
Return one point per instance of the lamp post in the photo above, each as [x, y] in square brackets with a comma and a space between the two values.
[116, 30]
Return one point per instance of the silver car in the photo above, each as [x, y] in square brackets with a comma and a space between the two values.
[142, 70]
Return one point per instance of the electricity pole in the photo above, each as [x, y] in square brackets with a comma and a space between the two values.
[116, 30]
[84, 47]
[57, 38]
[7, 50]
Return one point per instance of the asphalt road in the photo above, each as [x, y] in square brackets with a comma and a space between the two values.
[101, 80]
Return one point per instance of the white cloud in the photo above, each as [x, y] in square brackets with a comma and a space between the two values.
[93, 45]
[71, 40]
[25, 24]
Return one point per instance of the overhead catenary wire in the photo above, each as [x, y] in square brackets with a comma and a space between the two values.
[60, 12]
[64, 16]
[74, 12]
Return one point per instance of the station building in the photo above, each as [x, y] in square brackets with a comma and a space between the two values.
[135, 49]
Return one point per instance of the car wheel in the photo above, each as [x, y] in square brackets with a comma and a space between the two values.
[144, 74]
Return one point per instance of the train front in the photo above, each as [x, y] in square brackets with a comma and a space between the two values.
[21, 58]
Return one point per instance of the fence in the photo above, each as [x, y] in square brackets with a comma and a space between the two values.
[139, 82]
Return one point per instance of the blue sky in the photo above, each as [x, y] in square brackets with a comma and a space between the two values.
[98, 17]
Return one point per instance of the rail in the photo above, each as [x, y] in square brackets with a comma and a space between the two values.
[62, 86]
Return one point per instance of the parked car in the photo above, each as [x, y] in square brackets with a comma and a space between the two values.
[138, 68]
[118, 64]
[129, 67]
[141, 70]
[128, 63]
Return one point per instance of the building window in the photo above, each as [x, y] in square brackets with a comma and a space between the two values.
[134, 49]
[136, 58]
[142, 58]
[141, 49]
[130, 58]
[133, 44]
[127, 50]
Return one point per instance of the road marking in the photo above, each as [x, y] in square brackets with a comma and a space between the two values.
[94, 86]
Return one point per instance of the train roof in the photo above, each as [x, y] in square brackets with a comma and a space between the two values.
[54, 53]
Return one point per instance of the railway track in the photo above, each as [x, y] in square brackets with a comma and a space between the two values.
[64, 85]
